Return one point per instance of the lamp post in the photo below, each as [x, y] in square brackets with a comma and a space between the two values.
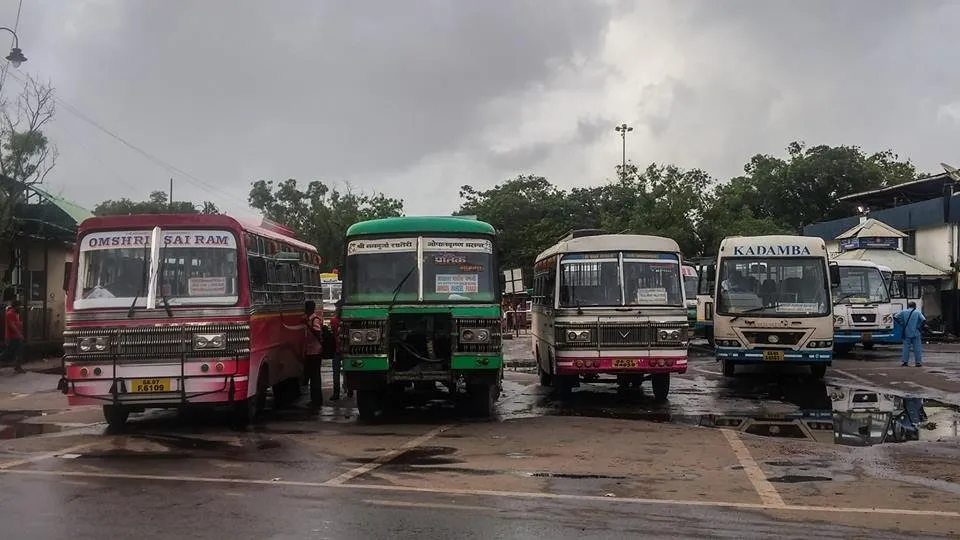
[622, 129]
[16, 56]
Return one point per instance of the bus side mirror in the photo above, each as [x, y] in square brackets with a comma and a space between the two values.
[834, 275]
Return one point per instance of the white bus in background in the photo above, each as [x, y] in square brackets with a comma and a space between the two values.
[773, 302]
[609, 305]
[691, 284]
[862, 311]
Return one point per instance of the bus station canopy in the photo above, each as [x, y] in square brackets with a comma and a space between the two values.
[896, 260]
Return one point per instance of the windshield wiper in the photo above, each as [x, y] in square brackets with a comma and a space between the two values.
[163, 296]
[752, 310]
[396, 290]
[143, 280]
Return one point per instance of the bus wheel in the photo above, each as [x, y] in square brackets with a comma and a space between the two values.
[661, 386]
[818, 370]
[729, 368]
[368, 403]
[842, 348]
[247, 411]
[545, 378]
[481, 398]
[868, 346]
[116, 416]
[286, 392]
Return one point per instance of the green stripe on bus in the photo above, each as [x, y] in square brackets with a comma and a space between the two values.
[480, 361]
[366, 364]
[380, 312]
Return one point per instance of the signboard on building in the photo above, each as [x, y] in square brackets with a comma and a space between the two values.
[869, 242]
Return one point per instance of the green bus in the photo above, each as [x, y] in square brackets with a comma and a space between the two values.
[421, 313]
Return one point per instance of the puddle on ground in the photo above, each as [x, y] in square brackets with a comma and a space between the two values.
[790, 408]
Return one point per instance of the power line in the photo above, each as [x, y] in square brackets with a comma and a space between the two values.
[160, 162]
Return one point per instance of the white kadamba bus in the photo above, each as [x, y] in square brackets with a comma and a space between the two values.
[862, 310]
[773, 302]
[610, 305]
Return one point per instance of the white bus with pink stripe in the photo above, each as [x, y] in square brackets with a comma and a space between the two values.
[610, 307]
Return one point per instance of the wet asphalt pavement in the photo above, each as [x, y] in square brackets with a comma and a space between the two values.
[598, 464]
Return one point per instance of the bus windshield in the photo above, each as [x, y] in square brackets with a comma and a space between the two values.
[598, 279]
[453, 269]
[861, 285]
[198, 268]
[773, 287]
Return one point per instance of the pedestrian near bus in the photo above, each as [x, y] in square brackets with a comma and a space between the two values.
[13, 336]
[337, 351]
[313, 353]
[911, 320]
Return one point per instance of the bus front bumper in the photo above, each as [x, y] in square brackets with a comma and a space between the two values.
[851, 336]
[770, 356]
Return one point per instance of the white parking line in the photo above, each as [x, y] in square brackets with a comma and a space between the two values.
[386, 457]
[768, 494]
[488, 493]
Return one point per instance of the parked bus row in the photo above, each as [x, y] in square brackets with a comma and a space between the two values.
[190, 310]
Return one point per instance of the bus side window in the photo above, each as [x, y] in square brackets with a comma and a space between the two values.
[550, 286]
[258, 276]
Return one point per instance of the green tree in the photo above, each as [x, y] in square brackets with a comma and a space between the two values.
[806, 186]
[26, 155]
[529, 214]
[157, 203]
[319, 214]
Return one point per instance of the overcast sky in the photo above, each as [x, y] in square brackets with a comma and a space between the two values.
[417, 97]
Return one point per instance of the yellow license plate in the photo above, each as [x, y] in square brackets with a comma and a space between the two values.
[624, 362]
[867, 336]
[149, 386]
[773, 356]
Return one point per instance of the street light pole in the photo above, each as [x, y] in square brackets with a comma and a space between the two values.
[623, 129]
[16, 56]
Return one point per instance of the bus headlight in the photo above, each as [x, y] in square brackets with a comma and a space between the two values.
[93, 344]
[474, 335]
[362, 337]
[578, 335]
[887, 319]
[668, 335]
[209, 342]
[837, 319]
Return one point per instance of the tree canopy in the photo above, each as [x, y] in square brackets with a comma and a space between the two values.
[774, 195]
[319, 214]
[157, 203]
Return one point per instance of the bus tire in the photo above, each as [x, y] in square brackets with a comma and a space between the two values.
[729, 368]
[368, 403]
[842, 348]
[868, 346]
[116, 416]
[286, 392]
[545, 379]
[247, 411]
[818, 370]
[661, 386]
[480, 398]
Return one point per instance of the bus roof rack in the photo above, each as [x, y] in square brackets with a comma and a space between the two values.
[580, 233]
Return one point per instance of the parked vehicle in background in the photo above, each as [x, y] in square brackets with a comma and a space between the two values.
[610, 305]
[773, 302]
[421, 308]
[691, 284]
[862, 310]
[182, 310]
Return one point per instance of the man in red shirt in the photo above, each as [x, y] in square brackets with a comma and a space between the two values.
[13, 335]
[313, 352]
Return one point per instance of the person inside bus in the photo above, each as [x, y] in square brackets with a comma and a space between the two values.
[313, 352]
[911, 321]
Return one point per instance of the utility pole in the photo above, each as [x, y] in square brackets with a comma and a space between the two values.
[170, 200]
[623, 129]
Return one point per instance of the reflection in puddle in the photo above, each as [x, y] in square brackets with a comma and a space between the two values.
[828, 414]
